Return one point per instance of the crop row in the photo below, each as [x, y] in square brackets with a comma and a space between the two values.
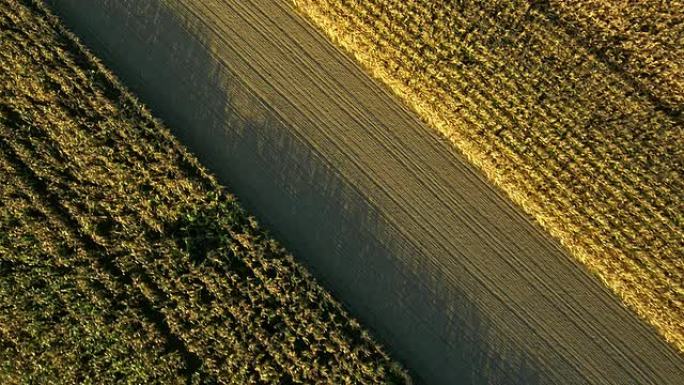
[645, 38]
[63, 318]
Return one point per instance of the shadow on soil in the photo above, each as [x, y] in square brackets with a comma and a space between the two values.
[420, 316]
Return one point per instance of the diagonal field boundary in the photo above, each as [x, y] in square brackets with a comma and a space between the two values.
[452, 277]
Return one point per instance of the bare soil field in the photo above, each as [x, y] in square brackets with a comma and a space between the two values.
[123, 261]
[454, 279]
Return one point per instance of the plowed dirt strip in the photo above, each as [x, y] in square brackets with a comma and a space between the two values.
[591, 145]
[462, 286]
[139, 227]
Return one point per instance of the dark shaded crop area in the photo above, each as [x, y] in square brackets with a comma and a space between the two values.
[123, 261]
